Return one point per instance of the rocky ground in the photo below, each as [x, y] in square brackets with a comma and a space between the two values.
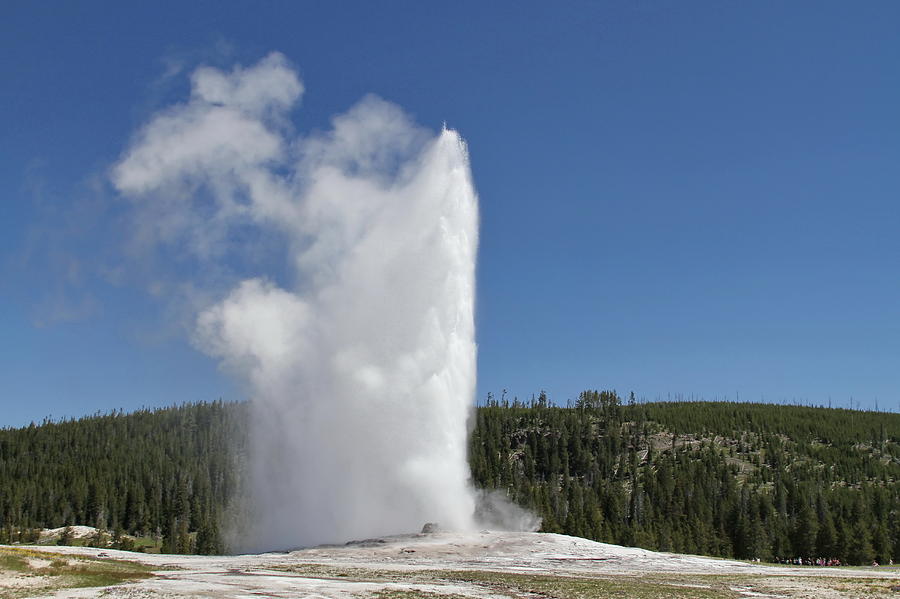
[488, 565]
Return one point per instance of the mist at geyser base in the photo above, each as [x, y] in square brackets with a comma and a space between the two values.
[358, 344]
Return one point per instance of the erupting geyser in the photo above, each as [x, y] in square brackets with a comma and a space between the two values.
[358, 345]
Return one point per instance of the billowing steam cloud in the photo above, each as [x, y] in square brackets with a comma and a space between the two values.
[362, 366]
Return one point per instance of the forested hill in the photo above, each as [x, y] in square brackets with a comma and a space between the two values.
[729, 479]
[166, 473]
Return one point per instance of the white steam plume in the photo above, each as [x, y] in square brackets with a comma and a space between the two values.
[362, 368]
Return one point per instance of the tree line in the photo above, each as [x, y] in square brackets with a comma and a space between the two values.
[743, 480]
[725, 479]
[165, 473]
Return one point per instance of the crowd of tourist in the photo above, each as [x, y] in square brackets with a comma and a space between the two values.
[819, 561]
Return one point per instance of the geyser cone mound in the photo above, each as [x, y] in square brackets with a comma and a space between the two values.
[361, 360]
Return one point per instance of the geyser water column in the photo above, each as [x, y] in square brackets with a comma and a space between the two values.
[361, 361]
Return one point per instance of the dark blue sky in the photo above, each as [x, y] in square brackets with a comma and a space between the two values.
[696, 198]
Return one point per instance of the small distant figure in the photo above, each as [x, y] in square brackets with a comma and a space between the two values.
[430, 528]
[874, 563]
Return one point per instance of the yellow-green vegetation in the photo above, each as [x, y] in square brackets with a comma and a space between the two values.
[147, 544]
[26, 572]
[597, 586]
[810, 586]
[350, 573]
[865, 587]
[573, 587]
[398, 594]
[529, 585]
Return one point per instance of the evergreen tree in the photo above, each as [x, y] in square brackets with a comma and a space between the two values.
[859, 547]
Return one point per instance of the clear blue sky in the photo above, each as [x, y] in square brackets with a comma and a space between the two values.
[696, 198]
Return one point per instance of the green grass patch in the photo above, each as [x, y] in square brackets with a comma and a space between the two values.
[598, 585]
[146, 544]
[40, 572]
[12, 562]
[398, 594]
[525, 585]
[573, 587]
[350, 573]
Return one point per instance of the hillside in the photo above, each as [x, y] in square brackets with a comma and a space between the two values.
[723, 479]
[165, 473]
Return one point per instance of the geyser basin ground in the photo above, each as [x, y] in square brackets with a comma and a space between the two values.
[480, 564]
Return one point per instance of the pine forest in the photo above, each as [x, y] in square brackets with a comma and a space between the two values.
[744, 480]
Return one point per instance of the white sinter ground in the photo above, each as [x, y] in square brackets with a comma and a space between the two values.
[426, 563]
